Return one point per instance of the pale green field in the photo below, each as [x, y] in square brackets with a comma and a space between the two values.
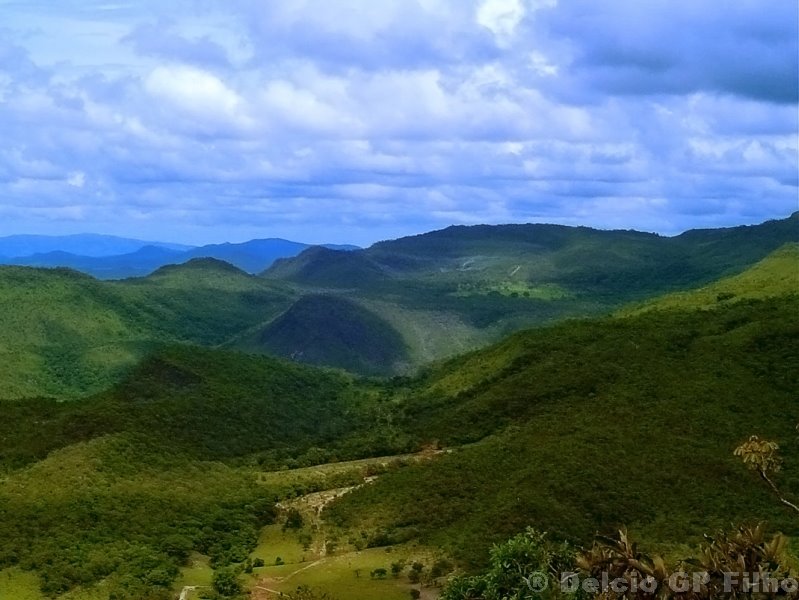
[198, 573]
[16, 584]
[322, 473]
[346, 576]
[307, 480]
[275, 543]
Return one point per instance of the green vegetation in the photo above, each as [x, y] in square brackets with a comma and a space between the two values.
[192, 465]
[775, 275]
[66, 334]
[596, 424]
[88, 513]
[330, 330]
[514, 289]
[532, 565]
[462, 287]
[123, 487]
[208, 404]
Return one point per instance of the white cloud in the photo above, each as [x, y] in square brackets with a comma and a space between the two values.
[380, 118]
[284, 104]
[501, 17]
[76, 179]
[191, 93]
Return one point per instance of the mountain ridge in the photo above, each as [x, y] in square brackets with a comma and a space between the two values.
[83, 244]
[144, 258]
[581, 427]
[427, 301]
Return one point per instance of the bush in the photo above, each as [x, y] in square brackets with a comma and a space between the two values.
[226, 583]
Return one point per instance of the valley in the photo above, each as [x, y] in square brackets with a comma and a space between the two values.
[389, 310]
[358, 425]
[399, 300]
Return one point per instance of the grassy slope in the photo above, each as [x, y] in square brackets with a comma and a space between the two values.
[596, 423]
[776, 274]
[66, 334]
[493, 280]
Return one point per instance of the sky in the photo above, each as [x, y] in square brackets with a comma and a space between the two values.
[351, 121]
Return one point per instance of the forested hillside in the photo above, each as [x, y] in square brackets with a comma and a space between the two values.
[329, 330]
[590, 425]
[387, 310]
[66, 334]
[462, 287]
[575, 429]
[120, 488]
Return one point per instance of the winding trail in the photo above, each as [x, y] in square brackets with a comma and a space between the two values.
[315, 503]
[263, 588]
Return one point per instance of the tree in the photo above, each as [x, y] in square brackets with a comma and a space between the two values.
[528, 566]
[178, 546]
[226, 583]
[305, 539]
[440, 568]
[763, 457]
[396, 568]
[415, 576]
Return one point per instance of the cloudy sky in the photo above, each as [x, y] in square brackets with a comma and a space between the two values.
[357, 120]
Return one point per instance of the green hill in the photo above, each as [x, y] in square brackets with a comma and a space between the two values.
[320, 266]
[723, 251]
[118, 489]
[389, 309]
[210, 404]
[489, 281]
[66, 334]
[574, 428]
[590, 425]
[775, 275]
[332, 331]
[580, 259]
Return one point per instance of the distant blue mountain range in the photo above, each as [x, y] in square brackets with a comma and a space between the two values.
[86, 244]
[109, 257]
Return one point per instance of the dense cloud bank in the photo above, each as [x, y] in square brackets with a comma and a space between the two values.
[353, 120]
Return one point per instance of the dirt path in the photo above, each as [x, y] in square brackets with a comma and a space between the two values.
[269, 580]
[184, 593]
[270, 593]
[306, 567]
[315, 504]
